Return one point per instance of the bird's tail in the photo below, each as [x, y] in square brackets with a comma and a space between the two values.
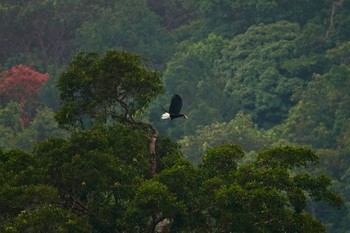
[165, 116]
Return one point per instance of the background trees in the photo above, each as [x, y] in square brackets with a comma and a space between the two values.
[122, 26]
[23, 118]
[190, 73]
[42, 32]
[255, 79]
[256, 73]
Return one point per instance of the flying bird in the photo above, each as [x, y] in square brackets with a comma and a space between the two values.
[174, 109]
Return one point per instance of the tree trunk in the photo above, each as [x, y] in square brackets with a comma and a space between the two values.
[152, 152]
[151, 135]
[333, 13]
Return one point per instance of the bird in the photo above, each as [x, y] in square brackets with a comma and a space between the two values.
[174, 109]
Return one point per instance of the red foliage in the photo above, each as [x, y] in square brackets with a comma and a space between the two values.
[21, 84]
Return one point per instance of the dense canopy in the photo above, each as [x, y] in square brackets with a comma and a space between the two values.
[265, 85]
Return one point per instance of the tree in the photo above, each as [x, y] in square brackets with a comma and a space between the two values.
[21, 84]
[113, 88]
[232, 56]
[96, 171]
[266, 196]
[73, 184]
[116, 86]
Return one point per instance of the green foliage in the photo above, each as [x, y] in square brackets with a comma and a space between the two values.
[72, 184]
[47, 219]
[286, 156]
[21, 187]
[268, 195]
[48, 93]
[257, 72]
[97, 181]
[183, 180]
[168, 153]
[322, 124]
[234, 17]
[196, 60]
[222, 159]
[265, 62]
[122, 26]
[241, 130]
[152, 203]
[230, 18]
[174, 13]
[189, 74]
[10, 117]
[85, 152]
[98, 89]
[255, 81]
[17, 166]
[255, 198]
[14, 136]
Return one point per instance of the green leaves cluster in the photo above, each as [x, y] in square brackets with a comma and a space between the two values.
[94, 88]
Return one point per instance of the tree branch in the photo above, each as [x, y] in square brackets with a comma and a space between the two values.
[152, 137]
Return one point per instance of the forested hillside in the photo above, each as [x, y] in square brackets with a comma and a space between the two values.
[265, 84]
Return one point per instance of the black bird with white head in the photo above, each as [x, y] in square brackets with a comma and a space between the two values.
[174, 109]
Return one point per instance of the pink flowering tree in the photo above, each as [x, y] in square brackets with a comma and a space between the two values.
[21, 84]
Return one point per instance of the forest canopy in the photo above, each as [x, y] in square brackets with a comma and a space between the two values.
[264, 84]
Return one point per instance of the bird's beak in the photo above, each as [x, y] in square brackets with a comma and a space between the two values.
[186, 117]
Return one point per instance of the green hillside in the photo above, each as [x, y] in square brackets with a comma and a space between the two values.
[265, 84]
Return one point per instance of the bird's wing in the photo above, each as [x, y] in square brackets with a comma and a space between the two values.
[175, 105]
